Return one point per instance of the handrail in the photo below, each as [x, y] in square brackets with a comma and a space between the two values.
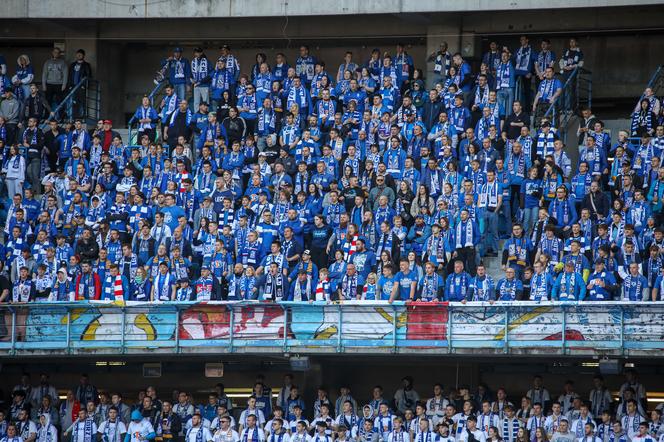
[151, 95]
[552, 106]
[502, 328]
[362, 303]
[650, 84]
[64, 101]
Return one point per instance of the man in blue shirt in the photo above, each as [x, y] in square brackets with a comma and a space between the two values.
[547, 93]
[405, 283]
[178, 71]
[457, 284]
[171, 212]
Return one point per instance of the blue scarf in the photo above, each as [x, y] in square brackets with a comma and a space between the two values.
[539, 287]
[581, 428]
[349, 287]
[174, 115]
[545, 144]
[520, 169]
[641, 119]
[464, 234]
[298, 96]
[556, 205]
[510, 429]
[254, 435]
[634, 287]
[482, 292]
[458, 287]
[551, 247]
[523, 58]
[87, 430]
[504, 76]
[568, 287]
[507, 290]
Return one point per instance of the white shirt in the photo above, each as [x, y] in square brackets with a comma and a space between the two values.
[249, 434]
[300, 437]
[415, 425]
[275, 438]
[192, 434]
[31, 428]
[138, 430]
[112, 431]
[484, 421]
[78, 431]
[188, 425]
[436, 409]
[630, 424]
[402, 436]
[229, 435]
[260, 418]
[215, 425]
[285, 424]
[479, 435]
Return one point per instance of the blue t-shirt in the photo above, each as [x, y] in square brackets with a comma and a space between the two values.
[171, 215]
[532, 190]
[405, 281]
[386, 285]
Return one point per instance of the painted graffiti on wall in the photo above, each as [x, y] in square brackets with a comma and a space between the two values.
[99, 323]
[355, 320]
[249, 322]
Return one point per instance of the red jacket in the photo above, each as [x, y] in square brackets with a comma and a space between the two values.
[81, 294]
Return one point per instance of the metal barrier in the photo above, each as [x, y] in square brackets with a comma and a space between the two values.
[133, 119]
[527, 328]
[656, 83]
[90, 102]
[576, 93]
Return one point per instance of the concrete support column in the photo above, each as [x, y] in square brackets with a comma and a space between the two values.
[457, 40]
[309, 381]
[111, 76]
[436, 35]
[88, 44]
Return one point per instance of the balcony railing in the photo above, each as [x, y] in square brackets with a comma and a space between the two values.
[525, 328]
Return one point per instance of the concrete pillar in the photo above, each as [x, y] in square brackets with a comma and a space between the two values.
[88, 44]
[111, 76]
[457, 40]
[310, 381]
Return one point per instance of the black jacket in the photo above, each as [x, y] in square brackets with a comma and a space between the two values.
[430, 112]
[601, 204]
[36, 107]
[85, 71]
[87, 250]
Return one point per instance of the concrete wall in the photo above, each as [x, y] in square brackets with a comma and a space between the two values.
[125, 53]
[272, 8]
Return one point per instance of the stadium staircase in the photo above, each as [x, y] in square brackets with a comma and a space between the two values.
[155, 96]
[92, 103]
[564, 111]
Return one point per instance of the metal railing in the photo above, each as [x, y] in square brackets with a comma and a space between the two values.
[90, 102]
[526, 328]
[133, 120]
[656, 83]
[576, 93]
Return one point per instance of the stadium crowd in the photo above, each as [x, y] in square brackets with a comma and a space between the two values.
[86, 414]
[309, 182]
